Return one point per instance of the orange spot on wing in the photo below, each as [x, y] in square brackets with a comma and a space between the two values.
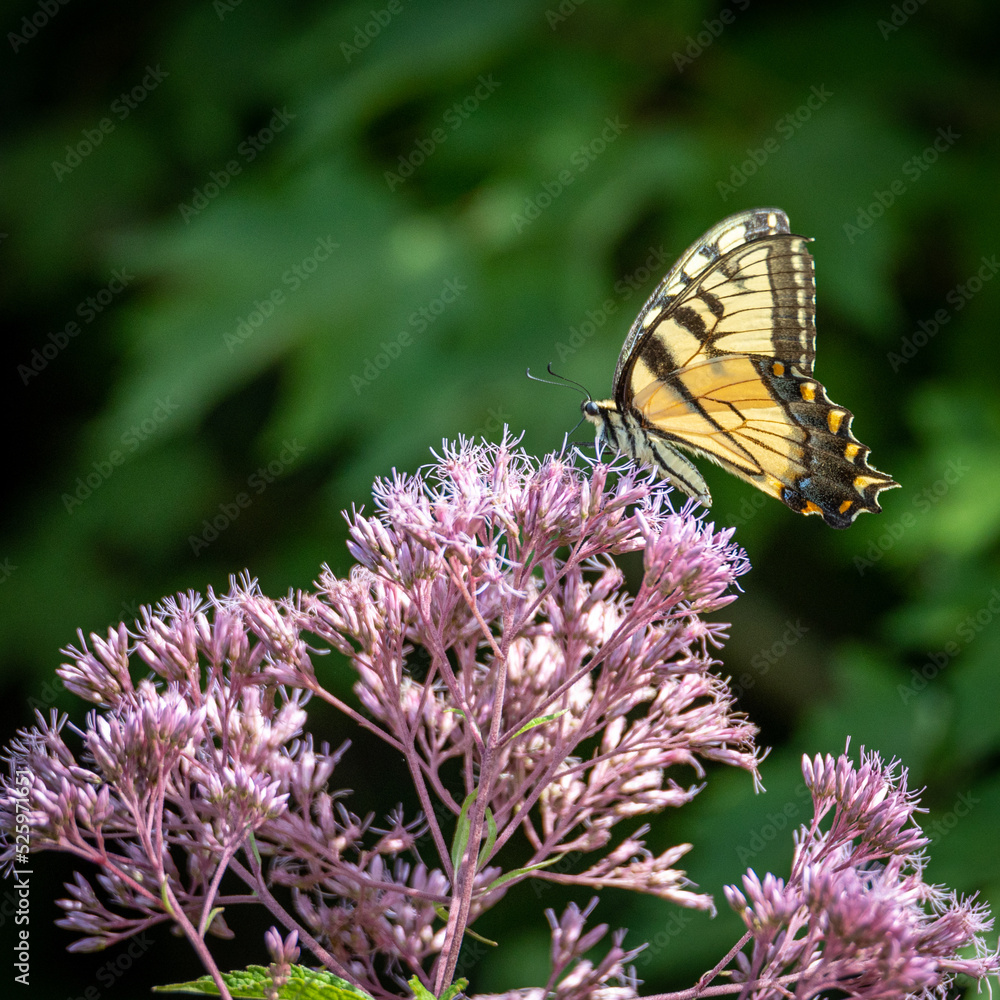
[808, 390]
[773, 486]
[863, 482]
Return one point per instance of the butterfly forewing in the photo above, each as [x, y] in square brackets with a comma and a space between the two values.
[762, 299]
[693, 264]
[720, 362]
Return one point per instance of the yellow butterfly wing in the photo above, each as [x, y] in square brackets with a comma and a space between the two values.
[720, 363]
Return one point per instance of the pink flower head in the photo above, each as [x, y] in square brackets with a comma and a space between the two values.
[856, 915]
[497, 653]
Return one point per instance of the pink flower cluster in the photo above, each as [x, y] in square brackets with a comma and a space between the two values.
[856, 916]
[537, 707]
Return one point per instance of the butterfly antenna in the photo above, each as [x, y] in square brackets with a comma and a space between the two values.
[563, 380]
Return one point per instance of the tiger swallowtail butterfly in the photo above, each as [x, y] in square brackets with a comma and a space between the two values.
[719, 362]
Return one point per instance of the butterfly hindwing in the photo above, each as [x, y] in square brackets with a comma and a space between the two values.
[720, 362]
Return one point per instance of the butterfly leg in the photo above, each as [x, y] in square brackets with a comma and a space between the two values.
[599, 442]
[673, 466]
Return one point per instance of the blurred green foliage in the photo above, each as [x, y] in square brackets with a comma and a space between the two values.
[545, 162]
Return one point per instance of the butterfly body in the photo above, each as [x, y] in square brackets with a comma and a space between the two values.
[719, 362]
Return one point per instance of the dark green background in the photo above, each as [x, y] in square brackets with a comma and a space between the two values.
[859, 630]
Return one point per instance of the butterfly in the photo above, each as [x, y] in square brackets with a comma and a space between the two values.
[719, 362]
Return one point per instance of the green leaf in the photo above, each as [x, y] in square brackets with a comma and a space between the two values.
[518, 872]
[539, 721]
[491, 838]
[462, 830]
[252, 982]
[420, 992]
[165, 899]
[253, 846]
[214, 913]
[476, 936]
